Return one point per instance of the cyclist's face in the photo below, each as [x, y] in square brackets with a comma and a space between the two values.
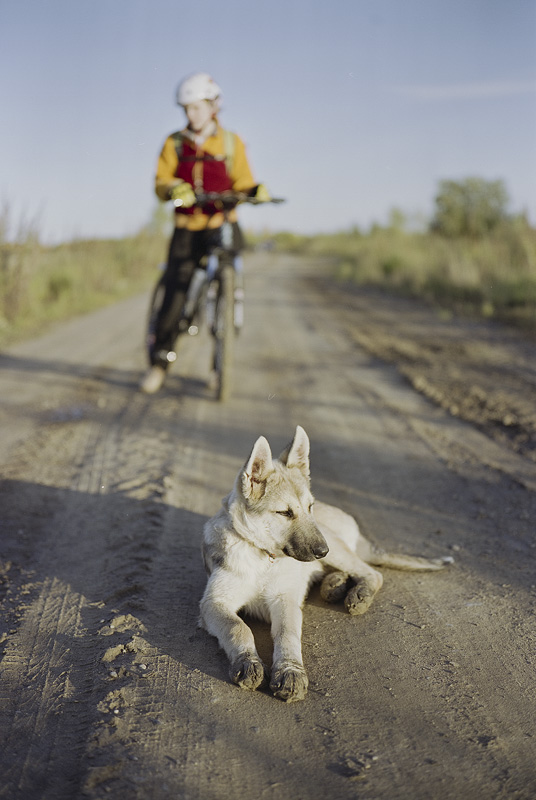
[199, 114]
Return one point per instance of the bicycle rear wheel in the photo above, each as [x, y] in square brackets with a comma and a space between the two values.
[224, 332]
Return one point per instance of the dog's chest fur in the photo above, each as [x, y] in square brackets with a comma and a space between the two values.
[279, 581]
[260, 578]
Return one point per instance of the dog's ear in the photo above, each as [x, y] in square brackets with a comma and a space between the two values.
[297, 452]
[256, 470]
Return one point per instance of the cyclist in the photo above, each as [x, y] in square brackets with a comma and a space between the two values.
[201, 158]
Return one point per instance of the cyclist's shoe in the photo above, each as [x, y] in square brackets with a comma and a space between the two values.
[153, 380]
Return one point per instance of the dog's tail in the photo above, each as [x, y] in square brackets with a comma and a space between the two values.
[379, 558]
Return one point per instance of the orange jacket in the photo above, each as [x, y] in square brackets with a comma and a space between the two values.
[167, 174]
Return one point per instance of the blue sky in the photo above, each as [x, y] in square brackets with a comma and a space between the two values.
[348, 108]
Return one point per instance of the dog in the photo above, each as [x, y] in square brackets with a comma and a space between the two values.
[264, 549]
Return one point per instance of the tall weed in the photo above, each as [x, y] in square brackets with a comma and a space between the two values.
[41, 284]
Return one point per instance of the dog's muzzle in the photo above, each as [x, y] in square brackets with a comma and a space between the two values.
[303, 550]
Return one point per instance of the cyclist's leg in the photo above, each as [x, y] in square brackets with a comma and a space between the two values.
[179, 271]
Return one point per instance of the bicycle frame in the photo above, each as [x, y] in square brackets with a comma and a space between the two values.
[215, 295]
[204, 287]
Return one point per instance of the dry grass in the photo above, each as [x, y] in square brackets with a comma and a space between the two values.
[494, 276]
[39, 284]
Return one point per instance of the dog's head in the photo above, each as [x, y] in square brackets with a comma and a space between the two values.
[277, 495]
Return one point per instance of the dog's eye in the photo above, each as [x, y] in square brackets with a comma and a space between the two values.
[289, 513]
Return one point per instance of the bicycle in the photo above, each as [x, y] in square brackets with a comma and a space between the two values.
[215, 296]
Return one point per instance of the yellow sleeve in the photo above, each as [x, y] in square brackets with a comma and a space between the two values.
[166, 169]
[241, 175]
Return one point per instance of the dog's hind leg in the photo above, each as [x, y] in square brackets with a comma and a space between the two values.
[351, 578]
[357, 592]
[360, 595]
[334, 587]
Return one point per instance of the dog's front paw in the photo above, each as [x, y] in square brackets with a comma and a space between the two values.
[359, 597]
[247, 671]
[289, 681]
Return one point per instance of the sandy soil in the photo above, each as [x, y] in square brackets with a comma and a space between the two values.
[423, 428]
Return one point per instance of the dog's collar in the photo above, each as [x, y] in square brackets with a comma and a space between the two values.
[271, 556]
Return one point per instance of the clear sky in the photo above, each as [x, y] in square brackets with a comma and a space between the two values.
[348, 107]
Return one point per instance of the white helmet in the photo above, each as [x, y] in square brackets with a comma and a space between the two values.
[198, 86]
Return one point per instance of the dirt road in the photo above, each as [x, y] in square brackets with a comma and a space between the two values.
[107, 687]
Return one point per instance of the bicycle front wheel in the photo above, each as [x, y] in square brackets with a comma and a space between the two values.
[224, 332]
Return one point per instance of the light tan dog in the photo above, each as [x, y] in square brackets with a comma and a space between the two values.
[265, 548]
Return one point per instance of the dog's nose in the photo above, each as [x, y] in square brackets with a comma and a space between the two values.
[321, 550]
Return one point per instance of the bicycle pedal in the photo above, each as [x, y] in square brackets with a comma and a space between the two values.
[167, 355]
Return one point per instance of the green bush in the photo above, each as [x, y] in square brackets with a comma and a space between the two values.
[472, 207]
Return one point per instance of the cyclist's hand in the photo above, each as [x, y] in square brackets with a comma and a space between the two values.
[262, 194]
[183, 195]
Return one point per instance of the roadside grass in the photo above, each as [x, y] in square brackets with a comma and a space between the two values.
[493, 276]
[40, 285]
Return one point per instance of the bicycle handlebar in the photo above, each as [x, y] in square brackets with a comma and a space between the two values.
[231, 199]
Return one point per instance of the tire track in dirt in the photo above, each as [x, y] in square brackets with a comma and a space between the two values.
[36, 706]
[90, 440]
